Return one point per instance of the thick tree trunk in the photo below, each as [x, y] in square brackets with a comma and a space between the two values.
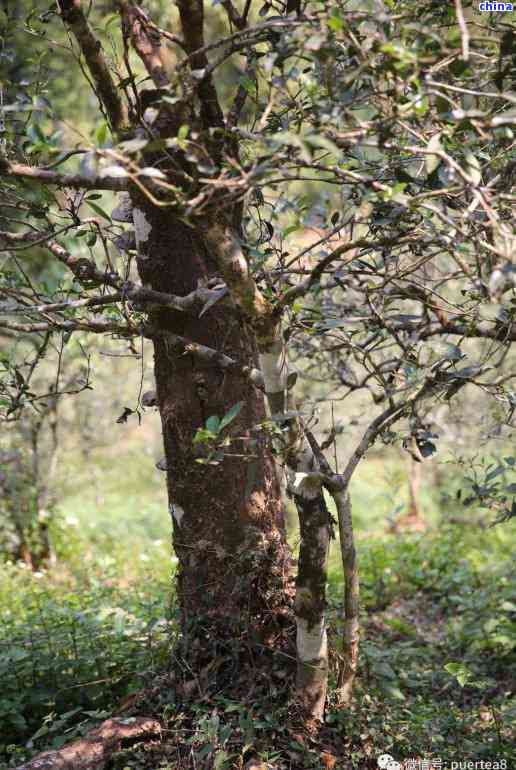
[228, 524]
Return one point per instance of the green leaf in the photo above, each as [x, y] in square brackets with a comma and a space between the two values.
[459, 671]
[230, 416]
[213, 424]
[392, 691]
[101, 133]
[291, 229]
[204, 751]
[220, 760]
[335, 22]
[248, 84]
[494, 473]
[98, 210]
[383, 669]
[111, 20]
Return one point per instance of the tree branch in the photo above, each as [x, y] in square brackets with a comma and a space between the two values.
[233, 14]
[75, 304]
[93, 325]
[146, 41]
[201, 299]
[76, 181]
[83, 269]
[304, 287]
[503, 331]
[232, 263]
[91, 48]
[139, 295]
[208, 355]
[258, 30]
[493, 330]
[191, 13]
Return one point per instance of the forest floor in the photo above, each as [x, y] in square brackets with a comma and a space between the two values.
[89, 639]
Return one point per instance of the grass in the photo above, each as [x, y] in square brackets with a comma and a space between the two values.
[439, 637]
[438, 616]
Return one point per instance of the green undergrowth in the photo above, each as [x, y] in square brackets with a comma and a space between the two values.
[438, 647]
[72, 645]
[437, 657]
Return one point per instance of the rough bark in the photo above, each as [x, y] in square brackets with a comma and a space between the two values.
[228, 522]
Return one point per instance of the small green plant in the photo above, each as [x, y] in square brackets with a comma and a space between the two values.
[461, 673]
[210, 439]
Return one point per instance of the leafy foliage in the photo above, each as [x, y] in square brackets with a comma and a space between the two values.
[385, 131]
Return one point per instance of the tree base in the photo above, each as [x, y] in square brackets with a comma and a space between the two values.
[237, 710]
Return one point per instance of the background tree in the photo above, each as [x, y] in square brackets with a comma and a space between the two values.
[387, 129]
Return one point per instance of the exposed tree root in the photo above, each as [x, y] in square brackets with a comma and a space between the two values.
[239, 707]
[94, 750]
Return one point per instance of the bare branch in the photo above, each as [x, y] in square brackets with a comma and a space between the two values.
[75, 304]
[76, 181]
[304, 287]
[139, 295]
[208, 355]
[258, 31]
[191, 13]
[197, 301]
[146, 41]
[233, 14]
[247, 8]
[93, 325]
[493, 330]
[84, 269]
[463, 29]
[91, 48]
[200, 299]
